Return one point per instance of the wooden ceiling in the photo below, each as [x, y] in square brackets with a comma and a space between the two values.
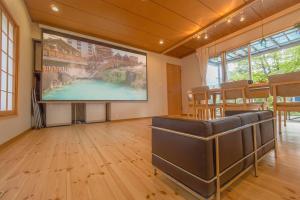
[143, 23]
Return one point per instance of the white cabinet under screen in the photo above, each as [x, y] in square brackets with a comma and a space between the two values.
[95, 112]
[58, 114]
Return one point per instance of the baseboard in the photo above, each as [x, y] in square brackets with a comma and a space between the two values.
[130, 119]
[12, 140]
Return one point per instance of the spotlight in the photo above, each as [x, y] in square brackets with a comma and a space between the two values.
[242, 18]
[206, 36]
[54, 8]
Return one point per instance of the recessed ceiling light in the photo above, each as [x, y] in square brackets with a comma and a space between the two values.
[54, 8]
[242, 18]
[229, 20]
[161, 42]
[206, 36]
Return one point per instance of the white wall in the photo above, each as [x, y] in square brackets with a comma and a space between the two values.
[190, 77]
[157, 83]
[12, 126]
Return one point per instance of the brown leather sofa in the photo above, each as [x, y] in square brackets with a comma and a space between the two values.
[192, 162]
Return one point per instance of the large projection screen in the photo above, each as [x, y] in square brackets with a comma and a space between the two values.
[78, 69]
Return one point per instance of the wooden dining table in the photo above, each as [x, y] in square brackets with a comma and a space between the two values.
[256, 90]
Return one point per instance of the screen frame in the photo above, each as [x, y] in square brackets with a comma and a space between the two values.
[84, 39]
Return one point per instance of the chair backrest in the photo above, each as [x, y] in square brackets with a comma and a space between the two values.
[200, 93]
[234, 89]
[190, 96]
[285, 85]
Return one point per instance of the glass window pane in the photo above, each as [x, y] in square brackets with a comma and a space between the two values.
[4, 23]
[3, 101]
[10, 84]
[281, 61]
[3, 81]
[237, 64]
[9, 101]
[10, 66]
[214, 72]
[4, 62]
[11, 31]
[277, 54]
[4, 42]
[10, 48]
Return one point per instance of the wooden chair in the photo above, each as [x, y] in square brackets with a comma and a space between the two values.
[238, 93]
[283, 86]
[203, 109]
[190, 112]
[259, 91]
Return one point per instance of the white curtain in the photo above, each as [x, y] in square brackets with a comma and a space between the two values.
[202, 56]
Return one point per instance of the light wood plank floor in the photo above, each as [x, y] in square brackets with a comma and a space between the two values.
[112, 161]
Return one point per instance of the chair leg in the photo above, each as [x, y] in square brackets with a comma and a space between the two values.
[285, 118]
[279, 121]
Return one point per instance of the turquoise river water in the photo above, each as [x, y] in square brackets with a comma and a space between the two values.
[95, 90]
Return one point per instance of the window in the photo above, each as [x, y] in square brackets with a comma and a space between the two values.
[214, 72]
[8, 70]
[237, 64]
[279, 53]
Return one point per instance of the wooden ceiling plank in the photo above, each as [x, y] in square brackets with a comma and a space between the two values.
[223, 6]
[194, 11]
[84, 18]
[87, 18]
[115, 36]
[156, 13]
[120, 16]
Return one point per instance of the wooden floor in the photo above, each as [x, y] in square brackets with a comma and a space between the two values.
[113, 161]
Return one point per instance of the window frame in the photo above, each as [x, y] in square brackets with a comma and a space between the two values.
[15, 62]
